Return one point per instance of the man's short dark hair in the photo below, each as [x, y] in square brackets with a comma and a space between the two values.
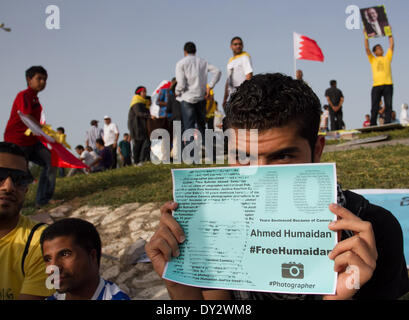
[236, 38]
[100, 141]
[84, 234]
[333, 83]
[272, 101]
[376, 46]
[80, 147]
[61, 129]
[190, 47]
[8, 147]
[32, 71]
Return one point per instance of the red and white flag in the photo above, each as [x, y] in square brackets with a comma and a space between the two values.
[306, 48]
[60, 156]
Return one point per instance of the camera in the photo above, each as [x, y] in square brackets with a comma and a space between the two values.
[292, 270]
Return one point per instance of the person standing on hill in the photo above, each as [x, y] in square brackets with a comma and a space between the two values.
[239, 68]
[382, 79]
[335, 100]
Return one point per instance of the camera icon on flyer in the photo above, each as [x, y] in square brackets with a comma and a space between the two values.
[292, 270]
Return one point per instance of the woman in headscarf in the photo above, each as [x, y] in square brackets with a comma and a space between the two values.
[138, 116]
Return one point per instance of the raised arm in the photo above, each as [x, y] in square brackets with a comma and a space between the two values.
[391, 43]
[368, 51]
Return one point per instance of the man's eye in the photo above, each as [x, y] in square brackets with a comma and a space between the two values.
[66, 253]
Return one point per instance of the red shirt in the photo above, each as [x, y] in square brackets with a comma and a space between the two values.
[27, 103]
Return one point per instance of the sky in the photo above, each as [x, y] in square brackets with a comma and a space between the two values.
[104, 49]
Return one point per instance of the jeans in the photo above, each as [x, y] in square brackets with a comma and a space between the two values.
[41, 156]
[114, 156]
[376, 95]
[194, 113]
[335, 119]
[141, 150]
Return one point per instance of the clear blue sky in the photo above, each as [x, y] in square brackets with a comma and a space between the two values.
[105, 49]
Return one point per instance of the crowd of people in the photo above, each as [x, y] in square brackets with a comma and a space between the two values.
[288, 115]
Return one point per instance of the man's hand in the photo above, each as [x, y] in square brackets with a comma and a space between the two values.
[207, 92]
[165, 242]
[358, 252]
[163, 245]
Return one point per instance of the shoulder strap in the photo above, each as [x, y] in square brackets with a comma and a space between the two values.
[30, 236]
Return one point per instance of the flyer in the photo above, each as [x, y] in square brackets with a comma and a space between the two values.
[256, 228]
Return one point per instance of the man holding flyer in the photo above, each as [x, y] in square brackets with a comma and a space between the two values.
[286, 113]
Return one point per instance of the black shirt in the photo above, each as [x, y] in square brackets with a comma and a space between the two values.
[334, 95]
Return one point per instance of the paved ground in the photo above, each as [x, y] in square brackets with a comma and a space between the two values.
[343, 147]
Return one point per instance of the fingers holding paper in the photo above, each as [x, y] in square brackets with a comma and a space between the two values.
[355, 257]
[164, 244]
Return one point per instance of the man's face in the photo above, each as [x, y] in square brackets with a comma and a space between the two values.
[75, 265]
[372, 15]
[237, 46]
[378, 51]
[11, 194]
[143, 93]
[282, 146]
[298, 74]
[79, 151]
[107, 121]
[38, 82]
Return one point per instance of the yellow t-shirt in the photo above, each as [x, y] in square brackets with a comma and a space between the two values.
[210, 109]
[381, 69]
[12, 280]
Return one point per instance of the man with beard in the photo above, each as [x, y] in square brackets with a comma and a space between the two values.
[22, 270]
[74, 247]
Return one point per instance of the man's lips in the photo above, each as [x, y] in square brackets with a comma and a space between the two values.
[6, 198]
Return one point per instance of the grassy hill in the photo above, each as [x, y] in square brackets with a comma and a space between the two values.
[383, 167]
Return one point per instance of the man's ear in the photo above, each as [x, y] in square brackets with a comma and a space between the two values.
[318, 148]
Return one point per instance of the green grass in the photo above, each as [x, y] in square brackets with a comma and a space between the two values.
[367, 168]
[383, 167]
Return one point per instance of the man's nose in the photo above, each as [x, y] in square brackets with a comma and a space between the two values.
[8, 184]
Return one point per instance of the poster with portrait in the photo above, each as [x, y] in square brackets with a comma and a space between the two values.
[375, 22]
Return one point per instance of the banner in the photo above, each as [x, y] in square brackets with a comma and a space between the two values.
[397, 202]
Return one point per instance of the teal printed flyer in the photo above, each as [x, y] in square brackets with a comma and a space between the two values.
[256, 228]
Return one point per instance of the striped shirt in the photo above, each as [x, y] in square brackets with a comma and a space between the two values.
[92, 135]
[106, 291]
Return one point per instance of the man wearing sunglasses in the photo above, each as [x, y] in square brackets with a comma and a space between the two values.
[22, 269]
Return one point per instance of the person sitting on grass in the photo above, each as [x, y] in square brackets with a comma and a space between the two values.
[286, 113]
[74, 247]
[104, 159]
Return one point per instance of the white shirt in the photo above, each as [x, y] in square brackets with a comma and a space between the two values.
[88, 157]
[191, 77]
[404, 116]
[110, 132]
[324, 117]
[237, 69]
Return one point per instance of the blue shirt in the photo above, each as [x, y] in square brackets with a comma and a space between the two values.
[106, 291]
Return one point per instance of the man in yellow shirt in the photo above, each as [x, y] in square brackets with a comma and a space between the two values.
[22, 269]
[382, 79]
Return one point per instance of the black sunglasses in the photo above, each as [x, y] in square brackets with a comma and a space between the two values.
[21, 179]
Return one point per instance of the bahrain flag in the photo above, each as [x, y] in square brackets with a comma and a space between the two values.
[306, 48]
